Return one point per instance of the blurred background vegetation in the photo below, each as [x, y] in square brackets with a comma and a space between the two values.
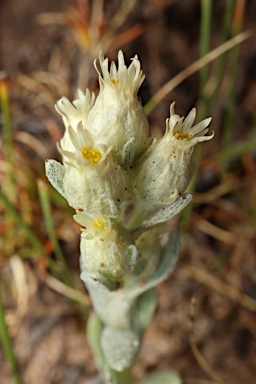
[196, 53]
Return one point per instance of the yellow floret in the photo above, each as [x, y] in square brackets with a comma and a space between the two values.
[115, 81]
[182, 135]
[93, 155]
[99, 224]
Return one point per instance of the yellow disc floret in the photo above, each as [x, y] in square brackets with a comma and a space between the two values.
[92, 155]
[182, 135]
[100, 224]
[115, 81]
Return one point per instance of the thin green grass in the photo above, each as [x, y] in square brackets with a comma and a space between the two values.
[221, 60]
[205, 39]
[193, 68]
[208, 99]
[62, 269]
[32, 238]
[59, 268]
[233, 63]
[7, 137]
[236, 150]
[8, 347]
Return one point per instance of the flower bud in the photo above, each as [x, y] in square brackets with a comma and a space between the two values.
[73, 114]
[117, 115]
[93, 181]
[164, 171]
[106, 248]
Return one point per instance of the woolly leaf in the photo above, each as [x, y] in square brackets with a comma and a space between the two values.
[166, 213]
[93, 333]
[144, 309]
[128, 152]
[168, 261]
[120, 347]
[55, 173]
[163, 377]
[95, 279]
[134, 286]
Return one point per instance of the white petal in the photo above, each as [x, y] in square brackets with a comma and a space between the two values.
[200, 126]
[120, 59]
[189, 120]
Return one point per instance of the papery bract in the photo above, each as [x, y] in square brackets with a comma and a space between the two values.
[73, 114]
[165, 169]
[106, 248]
[117, 115]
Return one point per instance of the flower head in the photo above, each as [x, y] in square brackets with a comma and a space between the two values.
[105, 247]
[73, 114]
[93, 227]
[84, 151]
[78, 110]
[93, 181]
[164, 171]
[120, 78]
[182, 132]
[117, 115]
[116, 178]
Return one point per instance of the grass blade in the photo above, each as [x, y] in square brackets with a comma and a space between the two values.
[205, 34]
[32, 238]
[7, 346]
[233, 61]
[46, 208]
[193, 68]
[7, 136]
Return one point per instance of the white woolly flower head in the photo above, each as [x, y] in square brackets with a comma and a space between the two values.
[92, 181]
[78, 110]
[164, 171]
[120, 77]
[93, 227]
[117, 115]
[106, 248]
[74, 113]
[183, 131]
[85, 151]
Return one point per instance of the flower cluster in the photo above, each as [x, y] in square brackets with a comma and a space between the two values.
[114, 175]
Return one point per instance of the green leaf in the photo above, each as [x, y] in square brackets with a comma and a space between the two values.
[113, 308]
[144, 309]
[128, 152]
[166, 213]
[162, 377]
[134, 286]
[93, 332]
[96, 279]
[55, 173]
[120, 347]
[108, 375]
[169, 260]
